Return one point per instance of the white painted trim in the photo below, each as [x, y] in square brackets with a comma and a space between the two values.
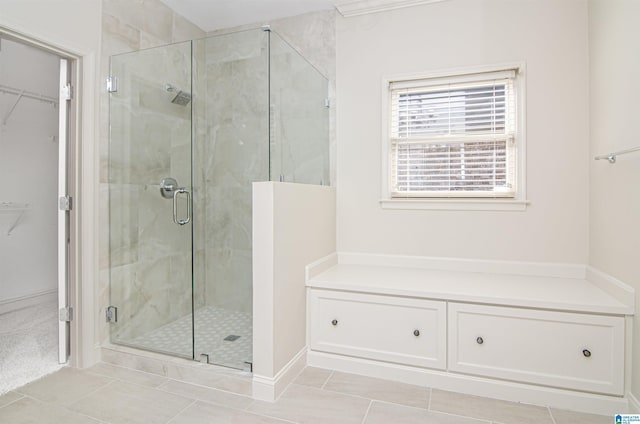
[611, 285]
[634, 403]
[33, 299]
[628, 353]
[87, 244]
[498, 389]
[348, 8]
[539, 269]
[84, 341]
[49, 42]
[461, 204]
[517, 204]
[270, 388]
[319, 266]
[263, 388]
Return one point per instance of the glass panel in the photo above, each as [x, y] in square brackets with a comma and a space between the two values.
[231, 150]
[182, 290]
[299, 118]
[151, 261]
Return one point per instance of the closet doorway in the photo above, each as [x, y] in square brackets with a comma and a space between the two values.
[35, 210]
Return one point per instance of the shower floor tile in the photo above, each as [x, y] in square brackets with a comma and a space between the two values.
[212, 326]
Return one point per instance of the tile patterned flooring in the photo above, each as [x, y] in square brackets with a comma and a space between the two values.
[110, 394]
[212, 326]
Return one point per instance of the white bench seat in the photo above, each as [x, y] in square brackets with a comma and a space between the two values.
[567, 294]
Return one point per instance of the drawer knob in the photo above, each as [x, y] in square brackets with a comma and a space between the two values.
[334, 322]
[586, 353]
[416, 333]
[479, 340]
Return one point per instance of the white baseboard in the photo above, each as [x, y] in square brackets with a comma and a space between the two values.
[270, 388]
[634, 404]
[14, 304]
[460, 383]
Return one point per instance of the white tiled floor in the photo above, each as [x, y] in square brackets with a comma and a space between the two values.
[110, 394]
[212, 326]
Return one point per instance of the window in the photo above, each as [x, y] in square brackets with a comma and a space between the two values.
[454, 136]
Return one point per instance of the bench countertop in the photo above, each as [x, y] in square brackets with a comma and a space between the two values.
[565, 294]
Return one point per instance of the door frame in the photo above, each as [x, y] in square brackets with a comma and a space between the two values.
[82, 173]
[64, 212]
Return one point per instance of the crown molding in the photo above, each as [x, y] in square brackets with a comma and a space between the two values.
[348, 8]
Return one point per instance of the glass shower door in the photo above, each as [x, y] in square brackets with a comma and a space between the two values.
[231, 151]
[150, 183]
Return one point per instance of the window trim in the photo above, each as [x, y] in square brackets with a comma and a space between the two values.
[517, 203]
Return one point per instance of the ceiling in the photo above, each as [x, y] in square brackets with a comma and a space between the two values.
[216, 14]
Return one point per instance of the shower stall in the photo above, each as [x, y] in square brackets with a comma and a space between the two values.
[192, 126]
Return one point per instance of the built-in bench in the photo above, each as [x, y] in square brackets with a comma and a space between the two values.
[536, 333]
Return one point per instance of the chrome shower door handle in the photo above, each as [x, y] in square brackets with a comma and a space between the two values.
[168, 187]
[175, 206]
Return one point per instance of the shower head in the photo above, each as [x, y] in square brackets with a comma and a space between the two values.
[182, 98]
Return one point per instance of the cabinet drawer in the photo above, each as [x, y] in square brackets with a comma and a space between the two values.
[575, 351]
[387, 328]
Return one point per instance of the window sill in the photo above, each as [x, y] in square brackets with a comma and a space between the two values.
[455, 204]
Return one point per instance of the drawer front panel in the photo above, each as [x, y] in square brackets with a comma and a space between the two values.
[386, 328]
[575, 351]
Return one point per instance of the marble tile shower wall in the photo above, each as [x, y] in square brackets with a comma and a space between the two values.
[151, 140]
[299, 130]
[236, 146]
[222, 159]
[237, 137]
[238, 153]
[313, 36]
[130, 26]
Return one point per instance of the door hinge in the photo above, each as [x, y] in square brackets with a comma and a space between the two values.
[112, 84]
[66, 314]
[66, 92]
[112, 314]
[327, 103]
[64, 203]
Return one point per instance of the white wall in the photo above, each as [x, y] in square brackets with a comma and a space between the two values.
[29, 170]
[72, 24]
[614, 38]
[550, 36]
[293, 225]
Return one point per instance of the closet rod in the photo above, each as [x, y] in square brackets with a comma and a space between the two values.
[611, 157]
[28, 94]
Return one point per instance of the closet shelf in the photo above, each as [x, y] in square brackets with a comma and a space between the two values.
[16, 208]
[24, 94]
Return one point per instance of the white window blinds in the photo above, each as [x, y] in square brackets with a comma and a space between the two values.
[454, 137]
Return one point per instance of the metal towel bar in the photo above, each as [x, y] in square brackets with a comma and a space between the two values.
[611, 157]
